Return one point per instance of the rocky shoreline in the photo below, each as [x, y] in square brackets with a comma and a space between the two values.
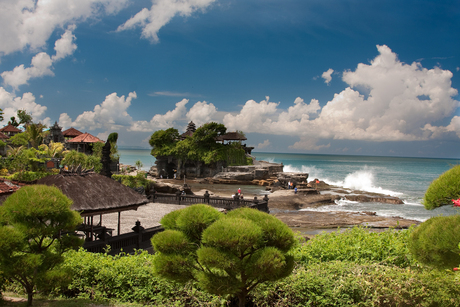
[293, 208]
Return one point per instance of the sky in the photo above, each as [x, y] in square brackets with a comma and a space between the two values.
[354, 77]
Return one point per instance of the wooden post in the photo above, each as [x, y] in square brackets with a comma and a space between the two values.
[119, 213]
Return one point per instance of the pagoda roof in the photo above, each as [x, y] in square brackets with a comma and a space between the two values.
[85, 138]
[71, 132]
[10, 128]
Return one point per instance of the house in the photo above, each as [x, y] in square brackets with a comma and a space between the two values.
[83, 143]
[10, 130]
[71, 133]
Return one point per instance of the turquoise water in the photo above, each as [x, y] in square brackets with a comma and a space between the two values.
[406, 178]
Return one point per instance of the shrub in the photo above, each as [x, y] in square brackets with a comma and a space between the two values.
[435, 241]
[443, 189]
[359, 245]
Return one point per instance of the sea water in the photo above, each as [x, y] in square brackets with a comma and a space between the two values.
[406, 178]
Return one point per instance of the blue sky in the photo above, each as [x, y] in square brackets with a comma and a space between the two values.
[322, 77]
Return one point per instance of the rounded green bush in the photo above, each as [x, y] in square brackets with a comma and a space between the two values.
[435, 242]
[443, 189]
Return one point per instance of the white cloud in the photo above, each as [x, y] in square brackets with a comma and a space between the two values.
[41, 63]
[10, 104]
[201, 113]
[160, 13]
[308, 143]
[40, 66]
[327, 76]
[403, 102]
[111, 114]
[30, 23]
[265, 144]
[65, 46]
[160, 121]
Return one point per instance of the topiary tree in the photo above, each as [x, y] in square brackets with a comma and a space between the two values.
[435, 241]
[225, 254]
[33, 221]
[443, 189]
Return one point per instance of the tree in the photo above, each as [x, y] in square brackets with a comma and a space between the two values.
[139, 164]
[36, 134]
[52, 150]
[443, 189]
[163, 141]
[225, 254]
[24, 118]
[20, 139]
[435, 242]
[33, 221]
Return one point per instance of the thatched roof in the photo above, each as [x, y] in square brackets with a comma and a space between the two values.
[10, 128]
[231, 136]
[85, 138]
[71, 132]
[95, 194]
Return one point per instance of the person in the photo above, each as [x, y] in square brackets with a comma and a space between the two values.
[239, 191]
[289, 185]
[295, 190]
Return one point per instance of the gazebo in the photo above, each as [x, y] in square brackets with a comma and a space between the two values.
[94, 195]
[83, 142]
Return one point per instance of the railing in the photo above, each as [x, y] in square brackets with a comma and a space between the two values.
[218, 202]
[128, 242]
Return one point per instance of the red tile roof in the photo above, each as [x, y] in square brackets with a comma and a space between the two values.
[10, 128]
[71, 132]
[3, 136]
[7, 187]
[85, 138]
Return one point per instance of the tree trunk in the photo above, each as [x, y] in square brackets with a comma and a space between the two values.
[30, 295]
[242, 298]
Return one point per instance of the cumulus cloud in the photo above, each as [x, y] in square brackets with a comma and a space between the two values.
[403, 102]
[10, 104]
[160, 13]
[201, 113]
[41, 64]
[65, 46]
[162, 121]
[327, 76]
[30, 23]
[111, 114]
[263, 145]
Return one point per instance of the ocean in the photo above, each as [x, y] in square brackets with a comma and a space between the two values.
[406, 178]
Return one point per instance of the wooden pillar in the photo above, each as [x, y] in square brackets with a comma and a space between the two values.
[91, 228]
[119, 213]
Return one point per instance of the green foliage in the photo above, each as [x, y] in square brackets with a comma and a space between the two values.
[343, 283]
[73, 159]
[126, 278]
[435, 242]
[163, 142]
[202, 146]
[139, 164]
[443, 189]
[2, 144]
[133, 181]
[20, 139]
[28, 176]
[359, 245]
[225, 254]
[35, 134]
[30, 245]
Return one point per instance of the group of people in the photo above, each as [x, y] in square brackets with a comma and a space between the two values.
[292, 186]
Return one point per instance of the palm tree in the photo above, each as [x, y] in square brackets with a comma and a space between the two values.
[36, 134]
[14, 151]
[53, 150]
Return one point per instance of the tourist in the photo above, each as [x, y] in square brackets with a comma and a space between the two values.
[295, 190]
[239, 191]
[289, 185]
